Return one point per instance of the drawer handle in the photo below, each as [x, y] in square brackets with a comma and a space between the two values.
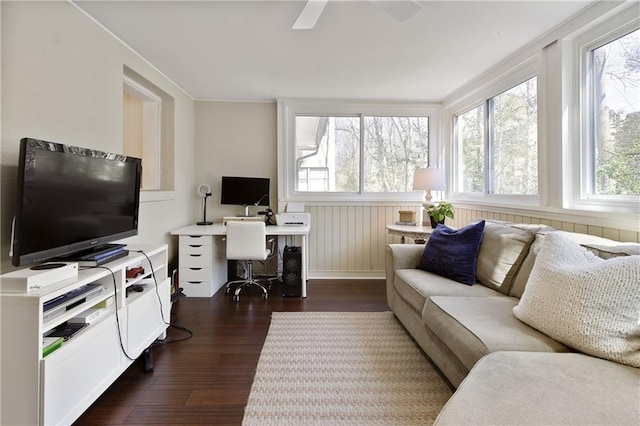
[195, 255]
[195, 236]
[195, 269]
[194, 282]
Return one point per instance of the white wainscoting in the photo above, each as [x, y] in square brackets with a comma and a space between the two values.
[348, 241]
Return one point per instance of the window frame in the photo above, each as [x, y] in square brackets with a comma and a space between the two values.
[577, 57]
[288, 109]
[519, 74]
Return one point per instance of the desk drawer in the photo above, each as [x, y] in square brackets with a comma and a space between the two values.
[195, 256]
[195, 240]
[194, 274]
[197, 288]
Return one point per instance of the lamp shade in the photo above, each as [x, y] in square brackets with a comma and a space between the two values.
[429, 179]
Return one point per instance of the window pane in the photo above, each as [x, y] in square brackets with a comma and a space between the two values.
[327, 154]
[515, 140]
[393, 148]
[616, 119]
[470, 145]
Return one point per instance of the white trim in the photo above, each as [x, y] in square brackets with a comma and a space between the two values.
[351, 275]
[150, 196]
[137, 89]
[289, 108]
[628, 222]
[576, 52]
[511, 78]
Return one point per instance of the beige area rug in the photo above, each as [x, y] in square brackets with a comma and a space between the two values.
[342, 368]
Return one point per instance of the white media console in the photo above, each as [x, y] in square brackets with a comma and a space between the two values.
[59, 387]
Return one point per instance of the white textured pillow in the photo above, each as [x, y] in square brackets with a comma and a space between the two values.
[583, 301]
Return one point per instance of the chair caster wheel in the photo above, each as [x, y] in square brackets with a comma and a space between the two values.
[227, 290]
[264, 296]
[236, 298]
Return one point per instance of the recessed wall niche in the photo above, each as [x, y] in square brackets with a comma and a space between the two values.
[148, 130]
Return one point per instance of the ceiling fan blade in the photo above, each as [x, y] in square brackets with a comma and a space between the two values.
[309, 15]
[401, 10]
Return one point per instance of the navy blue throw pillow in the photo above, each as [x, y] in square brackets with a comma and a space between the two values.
[453, 253]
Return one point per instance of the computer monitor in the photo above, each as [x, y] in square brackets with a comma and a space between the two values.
[244, 191]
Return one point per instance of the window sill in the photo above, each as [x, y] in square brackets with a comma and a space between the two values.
[151, 196]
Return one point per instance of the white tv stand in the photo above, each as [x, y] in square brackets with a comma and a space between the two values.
[59, 387]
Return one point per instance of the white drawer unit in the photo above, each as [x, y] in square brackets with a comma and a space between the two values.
[55, 384]
[195, 258]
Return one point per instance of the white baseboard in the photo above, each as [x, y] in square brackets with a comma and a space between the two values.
[351, 275]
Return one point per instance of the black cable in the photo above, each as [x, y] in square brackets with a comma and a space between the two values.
[115, 296]
[177, 339]
[155, 280]
[160, 342]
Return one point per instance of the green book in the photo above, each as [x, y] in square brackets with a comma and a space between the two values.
[50, 344]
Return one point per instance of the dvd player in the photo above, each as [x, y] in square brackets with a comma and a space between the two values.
[70, 300]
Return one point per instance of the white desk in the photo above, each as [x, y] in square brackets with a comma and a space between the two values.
[213, 266]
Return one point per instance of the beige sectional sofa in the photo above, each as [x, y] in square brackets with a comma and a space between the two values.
[507, 372]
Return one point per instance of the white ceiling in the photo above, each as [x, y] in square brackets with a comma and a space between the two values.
[246, 50]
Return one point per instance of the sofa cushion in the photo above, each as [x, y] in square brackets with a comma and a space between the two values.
[602, 247]
[475, 326]
[453, 253]
[416, 285]
[586, 302]
[517, 388]
[504, 247]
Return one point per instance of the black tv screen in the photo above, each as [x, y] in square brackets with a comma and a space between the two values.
[72, 199]
[244, 191]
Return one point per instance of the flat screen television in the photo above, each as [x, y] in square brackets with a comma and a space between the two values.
[245, 191]
[72, 199]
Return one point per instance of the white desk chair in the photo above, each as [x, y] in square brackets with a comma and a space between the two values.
[246, 241]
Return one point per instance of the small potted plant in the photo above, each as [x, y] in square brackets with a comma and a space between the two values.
[438, 212]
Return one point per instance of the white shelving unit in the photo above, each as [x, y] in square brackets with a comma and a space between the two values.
[59, 387]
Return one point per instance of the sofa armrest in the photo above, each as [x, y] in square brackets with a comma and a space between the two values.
[399, 256]
[402, 256]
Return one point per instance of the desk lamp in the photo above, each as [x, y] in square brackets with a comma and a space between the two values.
[427, 180]
[204, 191]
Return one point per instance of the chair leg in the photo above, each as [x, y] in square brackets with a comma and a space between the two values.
[247, 283]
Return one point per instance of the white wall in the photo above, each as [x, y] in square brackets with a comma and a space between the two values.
[234, 139]
[62, 81]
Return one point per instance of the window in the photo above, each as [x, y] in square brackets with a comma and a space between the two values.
[613, 165]
[470, 131]
[327, 154]
[343, 151]
[393, 148]
[497, 144]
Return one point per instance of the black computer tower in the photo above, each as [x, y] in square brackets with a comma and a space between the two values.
[292, 272]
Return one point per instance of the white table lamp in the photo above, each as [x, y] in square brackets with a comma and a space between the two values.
[429, 179]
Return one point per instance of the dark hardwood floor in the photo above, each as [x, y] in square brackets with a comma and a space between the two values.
[206, 379]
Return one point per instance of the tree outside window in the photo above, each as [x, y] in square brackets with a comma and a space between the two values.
[328, 153]
[470, 136]
[616, 116]
[508, 163]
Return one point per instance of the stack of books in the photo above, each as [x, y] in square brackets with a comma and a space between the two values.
[402, 222]
[50, 344]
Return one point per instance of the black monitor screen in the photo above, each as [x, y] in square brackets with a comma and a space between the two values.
[71, 199]
[245, 191]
